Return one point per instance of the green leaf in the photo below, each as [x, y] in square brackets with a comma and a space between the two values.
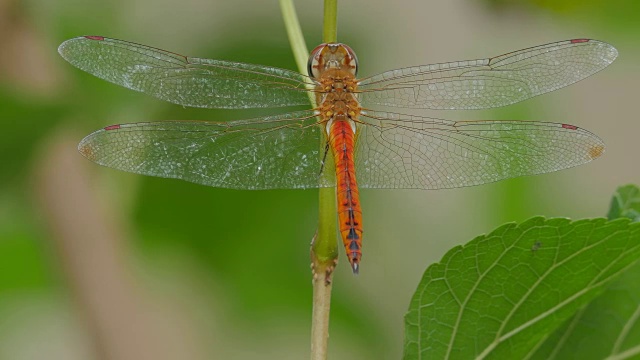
[625, 203]
[502, 294]
[609, 326]
[606, 328]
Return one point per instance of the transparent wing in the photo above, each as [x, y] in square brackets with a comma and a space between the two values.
[275, 152]
[397, 151]
[492, 82]
[392, 151]
[185, 80]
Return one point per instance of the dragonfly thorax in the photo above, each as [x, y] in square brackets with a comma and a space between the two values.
[337, 101]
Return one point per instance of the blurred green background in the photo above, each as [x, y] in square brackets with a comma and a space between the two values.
[99, 264]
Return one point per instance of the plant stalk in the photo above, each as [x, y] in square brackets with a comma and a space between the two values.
[330, 25]
[324, 247]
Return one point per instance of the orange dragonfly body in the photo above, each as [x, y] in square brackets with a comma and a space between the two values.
[364, 148]
[335, 67]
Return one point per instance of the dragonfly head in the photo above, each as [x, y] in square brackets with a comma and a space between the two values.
[332, 56]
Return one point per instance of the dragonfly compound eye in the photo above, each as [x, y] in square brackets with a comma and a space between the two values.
[332, 56]
[350, 60]
[314, 64]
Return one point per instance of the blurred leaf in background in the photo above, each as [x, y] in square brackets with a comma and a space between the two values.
[619, 16]
[625, 203]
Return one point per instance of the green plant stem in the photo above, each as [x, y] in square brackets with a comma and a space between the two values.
[330, 25]
[324, 257]
[298, 45]
[324, 247]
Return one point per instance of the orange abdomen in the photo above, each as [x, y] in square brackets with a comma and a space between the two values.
[342, 140]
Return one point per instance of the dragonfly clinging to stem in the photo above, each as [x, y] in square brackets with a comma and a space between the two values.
[342, 137]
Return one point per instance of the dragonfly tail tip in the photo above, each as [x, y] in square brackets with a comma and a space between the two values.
[356, 268]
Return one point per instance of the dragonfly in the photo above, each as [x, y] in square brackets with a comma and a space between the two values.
[347, 140]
